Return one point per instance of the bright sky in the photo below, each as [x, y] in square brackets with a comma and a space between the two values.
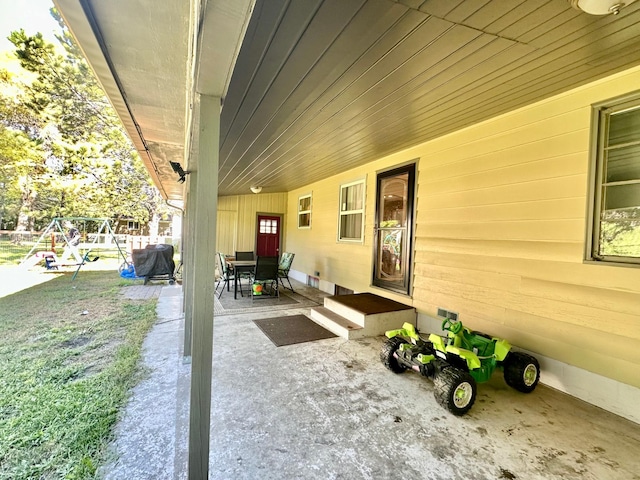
[31, 15]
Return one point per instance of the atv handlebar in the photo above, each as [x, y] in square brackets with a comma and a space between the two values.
[452, 326]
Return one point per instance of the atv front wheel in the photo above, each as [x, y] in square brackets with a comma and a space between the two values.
[455, 390]
[521, 371]
[386, 354]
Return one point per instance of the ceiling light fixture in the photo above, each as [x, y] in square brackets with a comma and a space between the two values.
[256, 189]
[600, 7]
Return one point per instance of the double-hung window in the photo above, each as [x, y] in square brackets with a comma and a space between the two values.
[614, 233]
[304, 211]
[351, 221]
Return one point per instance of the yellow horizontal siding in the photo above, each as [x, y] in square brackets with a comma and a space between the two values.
[560, 208]
[536, 135]
[501, 229]
[540, 170]
[524, 191]
[577, 315]
[613, 278]
[609, 354]
[564, 145]
[496, 249]
[500, 235]
[562, 230]
[597, 298]
[317, 249]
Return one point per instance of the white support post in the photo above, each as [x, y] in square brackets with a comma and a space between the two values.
[203, 229]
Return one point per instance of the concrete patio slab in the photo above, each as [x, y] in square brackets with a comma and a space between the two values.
[14, 279]
[145, 436]
[330, 410]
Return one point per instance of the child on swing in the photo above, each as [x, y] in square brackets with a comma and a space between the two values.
[73, 240]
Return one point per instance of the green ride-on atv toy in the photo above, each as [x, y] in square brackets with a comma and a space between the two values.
[457, 362]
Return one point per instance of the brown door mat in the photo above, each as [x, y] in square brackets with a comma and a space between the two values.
[369, 304]
[292, 329]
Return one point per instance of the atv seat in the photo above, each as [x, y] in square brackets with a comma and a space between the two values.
[479, 343]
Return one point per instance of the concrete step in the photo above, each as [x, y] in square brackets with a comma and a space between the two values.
[345, 311]
[374, 314]
[362, 315]
[336, 323]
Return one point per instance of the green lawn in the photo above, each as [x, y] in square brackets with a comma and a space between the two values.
[14, 254]
[11, 254]
[68, 356]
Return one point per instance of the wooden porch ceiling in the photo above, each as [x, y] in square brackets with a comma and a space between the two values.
[322, 86]
[325, 86]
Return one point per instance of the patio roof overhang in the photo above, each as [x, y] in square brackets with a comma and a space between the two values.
[314, 88]
[151, 59]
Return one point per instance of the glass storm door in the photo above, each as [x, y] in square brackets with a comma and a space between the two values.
[393, 229]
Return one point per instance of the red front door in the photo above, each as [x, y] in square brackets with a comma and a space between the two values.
[268, 241]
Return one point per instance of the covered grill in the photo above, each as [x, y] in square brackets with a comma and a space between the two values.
[155, 262]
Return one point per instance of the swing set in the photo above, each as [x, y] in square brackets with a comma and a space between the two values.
[56, 227]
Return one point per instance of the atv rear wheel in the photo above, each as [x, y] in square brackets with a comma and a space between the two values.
[521, 371]
[455, 390]
[386, 354]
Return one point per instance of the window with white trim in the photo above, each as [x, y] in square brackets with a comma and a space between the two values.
[614, 233]
[268, 226]
[351, 221]
[304, 211]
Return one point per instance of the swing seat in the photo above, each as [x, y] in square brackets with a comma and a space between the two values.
[51, 262]
[86, 259]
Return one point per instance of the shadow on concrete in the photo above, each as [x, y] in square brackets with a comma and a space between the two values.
[330, 410]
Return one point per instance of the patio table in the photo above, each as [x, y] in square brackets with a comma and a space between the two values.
[240, 266]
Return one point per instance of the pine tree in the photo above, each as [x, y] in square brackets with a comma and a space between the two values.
[70, 155]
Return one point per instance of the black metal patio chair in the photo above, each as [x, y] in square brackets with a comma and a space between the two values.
[265, 278]
[244, 256]
[226, 275]
[244, 275]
